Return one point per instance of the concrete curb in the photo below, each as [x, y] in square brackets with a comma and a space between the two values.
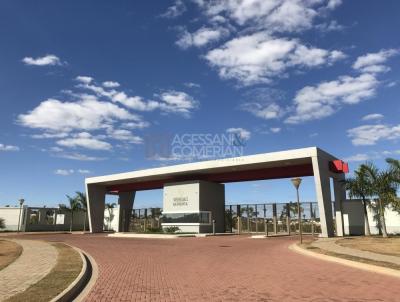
[82, 284]
[359, 265]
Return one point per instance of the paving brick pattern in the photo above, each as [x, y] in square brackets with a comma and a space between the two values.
[35, 262]
[225, 268]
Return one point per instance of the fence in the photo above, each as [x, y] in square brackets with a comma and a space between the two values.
[271, 218]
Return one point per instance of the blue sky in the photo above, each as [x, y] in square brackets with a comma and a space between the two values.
[84, 84]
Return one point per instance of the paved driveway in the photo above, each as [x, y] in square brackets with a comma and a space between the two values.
[225, 268]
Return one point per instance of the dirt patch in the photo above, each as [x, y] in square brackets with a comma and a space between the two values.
[9, 252]
[68, 267]
[385, 246]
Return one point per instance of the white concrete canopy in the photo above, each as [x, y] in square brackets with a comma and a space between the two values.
[284, 164]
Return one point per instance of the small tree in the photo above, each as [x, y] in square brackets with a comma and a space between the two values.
[110, 208]
[81, 197]
[74, 205]
[360, 187]
[2, 223]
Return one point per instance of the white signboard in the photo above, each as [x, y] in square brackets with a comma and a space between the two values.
[60, 218]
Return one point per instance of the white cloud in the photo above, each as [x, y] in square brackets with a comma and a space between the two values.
[111, 84]
[191, 85]
[201, 37]
[50, 135]
[67, 172]
[358, 157]
[372, 62]
[84, 140]
[64, 172]
[175, 10]
[86, 114]
[259, 57]
[368, 135]
[124, 135]
[330, 26]
[78, 156]
[84, 79]
[372, 116]
[242, 133]
[8, 148]
[177, 102]
[50, 60]
[275, 129]
[264, 111]
[273, 15]
[171, 101]
[324, 99]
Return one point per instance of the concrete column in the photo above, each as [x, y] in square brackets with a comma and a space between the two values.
[323, 194]
[125, 202]
[340, 196]
[96, 197]
[274, 218]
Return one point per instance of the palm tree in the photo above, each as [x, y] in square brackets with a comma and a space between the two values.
[394, 165]
[360, 187]
[384, 187]
[110, 208]
[81, 197]
[74, 205]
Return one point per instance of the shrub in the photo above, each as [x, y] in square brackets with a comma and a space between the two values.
[171, 229]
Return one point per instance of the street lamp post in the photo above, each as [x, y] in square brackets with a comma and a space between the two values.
[296, 183]
[21, 202]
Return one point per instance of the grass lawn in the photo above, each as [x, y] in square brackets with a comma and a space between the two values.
[68, 267]
[307, 245]
[9, 252]
[386, 246]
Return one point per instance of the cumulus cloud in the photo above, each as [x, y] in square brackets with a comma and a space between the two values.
[259, 57]
[86, 114]
[274, 15]
[372, 117]
[170, 102]
[177, 102]
[373, 62]
[111, 84]
[84, 79]
[324, 99]
[242, 133]
[201, 37]
[84, 140]
[175, 10]
[47, 60]
[124, 135]
[4, 147]
[368, 135]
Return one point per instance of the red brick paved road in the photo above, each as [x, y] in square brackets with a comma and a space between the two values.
[227, 268]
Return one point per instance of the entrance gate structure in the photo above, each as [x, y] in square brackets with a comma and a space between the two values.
[195, 195]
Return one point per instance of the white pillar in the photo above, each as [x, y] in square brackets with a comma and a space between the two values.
[96, 198]
[125, 201]
[323, 194]
[340, 197]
